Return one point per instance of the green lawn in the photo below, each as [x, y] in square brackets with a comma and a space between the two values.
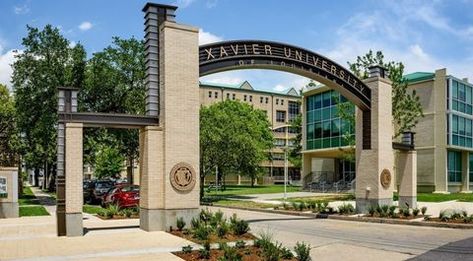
[28, 198]
[33, 211]
[328, 198]
[235, 190]
[431, 197]
[241, 204]
[92, 209]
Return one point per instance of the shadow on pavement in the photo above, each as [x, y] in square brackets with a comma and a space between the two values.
[86, 230]
[278, 219]
[459, 250]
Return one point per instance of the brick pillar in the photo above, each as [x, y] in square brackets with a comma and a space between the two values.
[407, 175]
[73, 173]
[465, 172]
[177, 145]
[370, 163]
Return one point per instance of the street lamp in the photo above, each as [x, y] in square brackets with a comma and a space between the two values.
[286, 147]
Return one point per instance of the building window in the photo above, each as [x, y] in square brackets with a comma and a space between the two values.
[228, 96]
[233, 96]
[279, 142]
[216, 95]
[267, 99]
[251, 98]
[280, 116]
[278, 156]
[282, 102]
[244, 97]
[462, 99]
[277, 101]
[454, 166]
[461, 132]
[280, 130]
[293, 110]
[260, 99]
[470, 155]
[324, 127]
[210, 94]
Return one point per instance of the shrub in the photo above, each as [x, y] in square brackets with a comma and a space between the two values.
[195, 222]
[302, 206]
[271, 252]
[187, 249]
[265, 238]
[240, 244]
[222, 245]
[392, 211]
[384, 211]
[456, 215]
[205, 251]
[312, 204]
[222, 230]
[443, 215]
[285, 206]
[202, 232]
[302, 251]
[346, 209]
[415, 212]
[325, 204]
[371, 210]
[464, 213]
[112, 210]
[230, 254]
[180, 223]
[295, 206]
[405, 212]
[286, 253]
[205, 215]
[240, 227]
[127, 212]
[423, 210]
[379, 210]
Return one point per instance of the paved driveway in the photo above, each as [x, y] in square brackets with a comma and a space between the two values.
[343, 240]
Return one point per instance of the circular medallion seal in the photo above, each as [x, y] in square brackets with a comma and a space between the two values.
[182, 177]
[385, 178]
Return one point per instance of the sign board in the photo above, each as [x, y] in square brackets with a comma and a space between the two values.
[3, 187]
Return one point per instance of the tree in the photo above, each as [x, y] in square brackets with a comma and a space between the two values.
[47, 62]
[8, 130]
[295, 156]
[406, 107]
[109, 162]
[235, 138]
[115, 83]
[346, 112]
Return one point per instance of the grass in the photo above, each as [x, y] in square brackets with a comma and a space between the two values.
[328, 198]
[242, 204]
[235, 190]
[28, 198]
[33, 211]
[431, 197]
[92, 209]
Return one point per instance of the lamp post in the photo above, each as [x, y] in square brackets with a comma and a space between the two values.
[286, 147]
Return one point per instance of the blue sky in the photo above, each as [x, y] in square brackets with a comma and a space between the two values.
[424, 35]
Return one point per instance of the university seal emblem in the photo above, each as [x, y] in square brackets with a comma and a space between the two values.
[182, 177]
[385, 178]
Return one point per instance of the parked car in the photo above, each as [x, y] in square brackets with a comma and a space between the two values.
[101, 187]
[124, 196]
[88, 190]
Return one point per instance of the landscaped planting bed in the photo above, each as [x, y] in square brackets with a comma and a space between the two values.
[115, 212]
[235, 242]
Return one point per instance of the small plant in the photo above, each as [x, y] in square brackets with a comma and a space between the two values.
[384, 211]
[202, 232]
[312, 204]
[240, 244]
[187, 249]
[379, 210]
[264, 238]
[230, 254]
[127, 212]
[222, 245]
[271, 252]
[195, 223]
[392, 211]
[346, 209]
[205, 251]
[302, 251]
[112, 210]
[222, 230]
[371, 210]
[205, 215]
[180, 223]
[406, 212]
[415, 212]
[286, 253]
[302, 206]
[285, 206]
[295, 206]
[240, 227]
[464, 213]
[443, 215]
[423, 210]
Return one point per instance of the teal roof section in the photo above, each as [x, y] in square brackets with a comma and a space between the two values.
[419, 76]
[238, 86]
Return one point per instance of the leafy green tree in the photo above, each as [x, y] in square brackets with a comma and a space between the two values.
[47, 62]
[295, 156]
[115, 83]
[109, 162]
[406, 107]
[346, 112]
[8, 130]
[234, 137]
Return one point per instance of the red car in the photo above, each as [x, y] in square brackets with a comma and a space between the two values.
[125, 196]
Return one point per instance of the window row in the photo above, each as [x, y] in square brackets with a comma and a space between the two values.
[330, 128]
[327, 143]
[324, 99]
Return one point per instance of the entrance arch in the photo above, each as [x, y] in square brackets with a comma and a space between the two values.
[253, 54]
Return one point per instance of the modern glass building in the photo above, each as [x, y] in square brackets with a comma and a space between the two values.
[443, 140]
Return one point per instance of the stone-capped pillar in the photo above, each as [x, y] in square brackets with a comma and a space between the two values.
[465, 172]
[407, 175]
[9, 192]
[371, 163]
[74, 177]
[177, 145]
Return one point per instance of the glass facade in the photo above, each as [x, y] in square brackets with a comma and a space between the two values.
[324, 127]
[454, 166]
[293, 110]
[459, 119]
[470, 159]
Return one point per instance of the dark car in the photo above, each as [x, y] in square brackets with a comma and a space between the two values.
[101, 187]
[88, 190]
[125, 196]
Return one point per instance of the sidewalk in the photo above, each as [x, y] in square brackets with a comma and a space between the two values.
[45, 199]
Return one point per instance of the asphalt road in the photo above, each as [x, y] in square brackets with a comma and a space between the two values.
[344, 240]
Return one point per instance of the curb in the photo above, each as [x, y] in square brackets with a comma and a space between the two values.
[358, 219]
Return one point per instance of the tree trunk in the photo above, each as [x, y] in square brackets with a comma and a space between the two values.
[202, 186]
[20, 178]
[129, 170]
[36, 177]
[252, 181]
[52, 179]
[45, 175]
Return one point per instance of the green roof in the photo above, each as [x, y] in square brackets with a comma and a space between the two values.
[419, 76]
[291, 92]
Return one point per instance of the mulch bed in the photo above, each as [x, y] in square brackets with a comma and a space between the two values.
[249, 253]
[117, 217]
[213, 238]
[398, 217]
[452, 221]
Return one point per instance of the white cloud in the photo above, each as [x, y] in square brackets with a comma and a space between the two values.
[279, 88]
[183, 3]
[72, 44]
[6, 71]
[216, 78]
[211, 3]
[23, 9]
[84, 26]
[417, 51]
[206, 37]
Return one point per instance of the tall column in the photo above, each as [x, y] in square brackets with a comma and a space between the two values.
[374, 166]
[171, 172]
[465, 172]
[73, 173]
[407, 175]
[440, 132]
